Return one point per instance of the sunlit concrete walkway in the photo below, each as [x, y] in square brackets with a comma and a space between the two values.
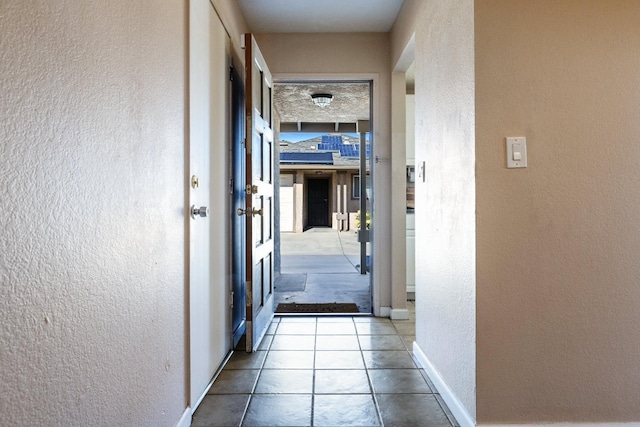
[321, 265]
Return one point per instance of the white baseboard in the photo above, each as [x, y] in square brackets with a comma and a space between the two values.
[185, 420]
[634, 424]
[399, 314]
[463, 417]
[455, 406]
[385, 312]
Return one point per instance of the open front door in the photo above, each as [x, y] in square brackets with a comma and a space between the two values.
[259, 200]
[208, 207]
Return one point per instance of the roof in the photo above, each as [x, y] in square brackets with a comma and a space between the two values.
[344, 149]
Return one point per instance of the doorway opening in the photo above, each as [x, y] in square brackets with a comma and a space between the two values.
[322, 255]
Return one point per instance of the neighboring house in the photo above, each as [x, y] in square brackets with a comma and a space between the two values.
[320, 183]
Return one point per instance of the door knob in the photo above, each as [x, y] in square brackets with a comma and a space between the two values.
[201, 211]
[256, 212]
[241, 212]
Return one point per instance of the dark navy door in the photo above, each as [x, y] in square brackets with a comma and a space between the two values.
[318, 202]
[239, 222]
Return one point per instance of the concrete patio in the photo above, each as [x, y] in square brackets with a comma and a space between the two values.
[321, 265]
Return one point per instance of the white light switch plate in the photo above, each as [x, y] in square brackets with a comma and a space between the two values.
[516, 152]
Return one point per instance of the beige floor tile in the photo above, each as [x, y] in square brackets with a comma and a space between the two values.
[381, 342]
[389, 359]
[220, 410]
[337, 342]
[408, 410]
[336, 328]
[398, 381]
[339, 360]
[278, 410]
[342, 382]
[284, 381]
[289, 359]
[341, 410]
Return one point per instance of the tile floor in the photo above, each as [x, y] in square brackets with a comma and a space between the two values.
[326, 371]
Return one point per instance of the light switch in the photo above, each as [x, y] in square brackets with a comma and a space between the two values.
[516, 152]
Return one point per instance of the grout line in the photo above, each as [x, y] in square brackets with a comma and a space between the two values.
[366, 370]
[446, 410]
[313, 374]
[260, 369]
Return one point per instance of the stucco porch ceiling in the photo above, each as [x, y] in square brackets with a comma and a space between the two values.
[298, 113]
[293, 101]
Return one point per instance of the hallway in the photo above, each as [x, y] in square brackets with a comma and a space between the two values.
[326, 371]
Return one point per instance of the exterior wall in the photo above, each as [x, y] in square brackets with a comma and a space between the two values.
[298, 195]
[445, 201]
[558, 242]
[363, 56]
[300, 206]
[92, 258]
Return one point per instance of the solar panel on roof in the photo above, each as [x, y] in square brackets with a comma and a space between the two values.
[351, 151]
[307, 158]
[331, 139]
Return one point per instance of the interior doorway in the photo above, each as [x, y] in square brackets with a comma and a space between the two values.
[319, 198]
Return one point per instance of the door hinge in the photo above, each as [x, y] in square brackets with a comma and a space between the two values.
[231, 73]
[231, 186]
[231, 299]
[251, 189]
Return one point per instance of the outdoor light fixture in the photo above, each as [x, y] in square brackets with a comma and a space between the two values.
[322, 99]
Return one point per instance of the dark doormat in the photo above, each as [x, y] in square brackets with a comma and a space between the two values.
[317, 308]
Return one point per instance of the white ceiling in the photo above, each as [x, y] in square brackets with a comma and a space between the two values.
[320, 16]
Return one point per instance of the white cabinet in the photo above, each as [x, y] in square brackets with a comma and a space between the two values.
[411, 229]
[411, 256]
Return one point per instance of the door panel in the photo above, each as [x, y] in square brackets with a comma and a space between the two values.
[239, 225]
[318, 202]
[259, 200]
[209, 315]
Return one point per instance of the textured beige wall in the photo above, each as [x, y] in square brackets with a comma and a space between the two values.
[349, 55]
[404, 28]
[92, 308]
[235, 25]
[559, 242]
[445, 202]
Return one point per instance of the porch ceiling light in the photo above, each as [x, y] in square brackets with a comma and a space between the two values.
[322, 99]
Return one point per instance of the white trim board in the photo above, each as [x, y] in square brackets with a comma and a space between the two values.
[185, 419]
[399, 314]
[455, 406]
[385, 312]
